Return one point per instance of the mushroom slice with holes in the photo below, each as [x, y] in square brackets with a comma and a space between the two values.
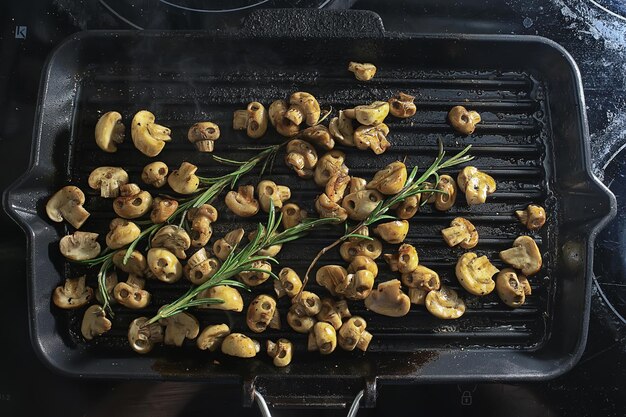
[162, 209]
[253, 119]
[363, 263]
[301, 157]
[329, 313]
[254, 278]
[293, 215]
[212, 336]
[388, 300]
[110, 281]
[408, 260]
[109, 131]
[352, 334]
[461, 232]
[173, 238]
[318, 135]
[423, 278]
[121, 233]
[272, 250]
[242, 201]
[308, 304]
[164, 265]
[261, 312]
[179, 327]
[184, 179]
[283, 125]
[370, 114]
[332, 277]
[462, 120]
[393, 232]
[108, 180]
[360, 204]
[303, 107]
[200, 268]
[524, 255]
[80, 246]
[533, 217]
[131, 293]
[362, 71]
[132, 202]
[288, 283]
[336, 186]
[155, 174]
[95, 322]
[389, 180]
[67, 204]
[361, 284]
[201, 219]
[408, 208]
[341, 129]
[323, 338]
[231, 298]
[268, 190]
[476, 185]
[148, 137]
[73, 294]
[512, 288]
[203, 135]
[136, 263]
[327, 208]
[475, 273]
[401, 105]
[222, 248]
[372, 137]
[370, 248]
[330, 164]
[142, 336]
[300, 323]
[281, 352]
[444, 303]
[240, 345]
[447, 197]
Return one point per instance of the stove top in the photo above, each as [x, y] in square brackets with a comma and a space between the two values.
[593, 31]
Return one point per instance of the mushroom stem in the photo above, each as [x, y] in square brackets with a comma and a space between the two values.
[455, 235]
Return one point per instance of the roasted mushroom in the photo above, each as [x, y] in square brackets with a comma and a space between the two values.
[462, 120]
[461, 232]
[201, 219]
[476, 185]
[388, 300]
[67, 204]
[162, 209]
[524, 255]
[332, 313]
[184, 179]
[446, 199]
[327, 208]
[288, 283]
[333, 277]
[301, 157]
[200, 267]
[336, 186]
[136, 264]
[173, 238]
[132, 202]
[341, 129]
[390, 180]
[372, 137]
[293, 215]
[262, 313]
[109, 131]
[222, 248]
[148, 137]
[110, 281]
[409, 207]
[242, 201]
[308, 304]
[475, 273]
[363, 263]
[360, 204]
[121, 233]
[73, 294]
[253, 120]
[142, 336]
[131, 293]
[322, 338]
[155, 174]
[512, 288]
[360, 285]
[303, 107]
[80, 246]
[369, 114]
[423, 278]
[393, 232]
[300, 323]
[353, 334]
[370, 248]
[203, 135]
[95, 322]
[240, 345]
[268, 190]
[108, 180]
[164, 265]
[362, 71]
[401, 105]
[283, 125]
[445, 303]
[417, 296]
[281, 352]
[330, 164]
[405, 261]
[231, 298]
[179, 327]
[254, 278]
[318, 135]
[533, 217]
[212, 336]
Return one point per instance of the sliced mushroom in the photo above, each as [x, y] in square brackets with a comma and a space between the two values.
[363, 263]
[308, 304]
[372, 137]
[162, 209]
[303, 107]
[445, 303]
[401, 105]
[327, 208]
[173, 238]
[179, 327]
[329, 313]
[95, 322]
[360, 204]
[476, 185]
[293, 215]
[131, 293]
[121, 233]
[360, 286]
[253, 119]
[203, 135]
[512, 288]
[369, 114]
[389, 180]
[322, 338]
[108, 180]
[155, 174]
[362, 71]
[301, 157]
[353, 334]
[268, 190]
[184, 179]
[148, 137]
[231, 298]
[333, 277]
[261, 311]
[393, 232]
[132, 202]
[212, 336]
[201, 219]
[284, 126]
[462, 120]
[475, 273]
[408, 208]
[164, 265]
[254, 278]
[281, 352]
[242, 201]
[240, 345]
[222, 248]
[330, 164]
[67, 204]
[136, 264]
[73, 294]
[341, 129]
[288, 283]
[388, 300]
[461, 232]
[299, 322]
[80, 246]
[142, 336]
[524, 255]
[336, 186]
[405, 261]
[200, 267]
[318, 135]
[370, 248]
[533, 217]
[109, 131]
[423, 278]
[446, 199]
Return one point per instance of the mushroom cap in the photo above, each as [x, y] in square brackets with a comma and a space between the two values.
[212, 336]
[372, 137]
[445, 303]
[155, 174]
[475, 273]
[240, 345]
[325, 337]
[162, 209]
[360, 286]
[308, 304]
[533, 217]
[370, 248]
[173, 238]
[327, 208]
[292, 215]
[362, 71]
[408, 259]
[476, 185]
[308, 105]
[393, 232]
[109, 131]
[461, 232]
[147, 136]
[95, 322]
[231, 297]
[203, 134]
[341, 129]
[388, 300]
[329, 164]
[524, 255]
[142, 336]
[281, 352]
[512, 288]
[122, 232]
[332, 277]
[423, 278]
[371, 114]
[462, 120]
[268, 190]
[67, 203]
[301, 156]
[73, 294]
[401, 105]
[131, 296]
[329, 314]
[351, 332]
[242, 201]
[256, 123]
[318, 135]
[360, 204]
[133, 202]
[80, 246]
[260, 312]
[223, 247]
[390, 180]
[409, 207]
[444, 201]
[300, 323]
[202, 272]
[108, 180]
[363, 263]
[164, 265]
[136, 263]
[288, 283]
[184, 179]
[284, 126]
[179, 327]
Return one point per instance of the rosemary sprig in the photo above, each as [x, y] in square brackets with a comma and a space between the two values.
[412, 187]
[241, 261]
[102, 288]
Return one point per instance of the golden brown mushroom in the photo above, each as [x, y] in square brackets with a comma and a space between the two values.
[533, 217]
[179, 327]
[108, 180]
[423, 278]
[164, 265]
[322, 338]
[362, 71]
[131, 293]
[330, 164]
[281, 352]
[330, 313]
[283, 125]
[132, 202]
[162, 209]
[318, 135]
[262, 313]
[524, 255]
[254, 278]
[231, 298]
[121, 233]
[143, 336]
[327, 208]
[369, 114]
[155, 174]
[301, 157]
[240, 345]
[446, 199]
[372, 137]
[360, 285]
[476, 185]
[408, 208]
[360, 204]
[109, 131]
[370, 248]
[461, 232]
[300, 323]
[336, 186]
[268, 190]
[353, 334]
[393, 232]
[148, 137]
[203, 135]
[388, 300]
[292, 215]
[512, 287]
[389, 180]
[341, 129]
[475, 273]
[360, 263]
[80, 246]
[73, 294]
[242, 201]
[308, 304]
[222, 248]
[200, 267]
[212, 336]
[95, 322]
[201, 219]
[288, 283]
[445, 303]
[401, 105]
[67, 204]
[253, 120]
[184, 179]
[462, 120]
[333, 277]
[173, 238]
[303, 107]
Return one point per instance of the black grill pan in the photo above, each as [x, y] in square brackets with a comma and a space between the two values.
[533, 140]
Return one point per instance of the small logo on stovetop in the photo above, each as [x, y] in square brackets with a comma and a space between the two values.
[20, 32]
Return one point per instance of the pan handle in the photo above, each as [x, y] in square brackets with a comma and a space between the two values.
[265, 410]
